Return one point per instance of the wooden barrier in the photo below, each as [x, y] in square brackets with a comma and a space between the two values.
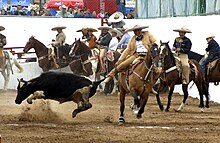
[18, 51]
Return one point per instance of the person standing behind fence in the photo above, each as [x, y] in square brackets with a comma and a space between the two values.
[121, 5]
[3, 42]
[212, 51]
[182, 45]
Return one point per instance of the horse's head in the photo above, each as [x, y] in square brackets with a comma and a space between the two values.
[164, 49]
[79, 48]
[29, 44]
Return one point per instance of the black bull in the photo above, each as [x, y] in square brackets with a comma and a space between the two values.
[58, 86]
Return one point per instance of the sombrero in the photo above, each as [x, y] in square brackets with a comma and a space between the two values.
[2, 28]
[91, 29]
[83, 29]
[137, 27]
[116, 17]
[210, 36]
[116, 31]
[104, 27]
[183, 29]
[58, 27]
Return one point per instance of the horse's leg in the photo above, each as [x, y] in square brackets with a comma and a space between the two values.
[169, 98]
[158, 97]
[206, 92]
[122, 106]
[201, 89]
[135, 107]
[143, 101]
[185, 92]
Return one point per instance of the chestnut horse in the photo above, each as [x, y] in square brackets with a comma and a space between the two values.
[137, 81]
[81, 63]
[43, 56]
[172, 77]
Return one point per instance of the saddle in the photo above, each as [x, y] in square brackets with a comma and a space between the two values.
[212, 65]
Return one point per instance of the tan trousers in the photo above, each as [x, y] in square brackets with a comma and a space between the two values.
[2, 60]
[101, 56]
[185, 68]
[124, 65]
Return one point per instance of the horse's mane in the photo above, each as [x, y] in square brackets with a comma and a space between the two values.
[170, 53]
[85, 48]
[41, 44]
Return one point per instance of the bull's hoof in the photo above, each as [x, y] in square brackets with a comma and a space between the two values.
[87, 105]
[29, 101]
[74, 114]
[139, 116]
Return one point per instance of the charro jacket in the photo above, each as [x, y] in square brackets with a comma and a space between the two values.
[60, 39]
[148, 40]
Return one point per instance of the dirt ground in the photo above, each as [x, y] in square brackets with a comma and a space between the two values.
[51, 122]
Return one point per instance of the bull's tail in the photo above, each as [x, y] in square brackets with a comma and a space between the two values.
[96, 83]
[94, 87]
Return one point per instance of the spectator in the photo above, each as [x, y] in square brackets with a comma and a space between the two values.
[116, 20]
[101, 14]
[33, 13]
[63, 12]
[121, 6]
[19, 11]
[87, 14]
[41, 12]
[3, 12]
[80, 14]
[70, 10]
[107, 15]
[130, 15]
[47, 12]
[94, 15]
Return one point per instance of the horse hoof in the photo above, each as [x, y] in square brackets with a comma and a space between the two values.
[207, 106]
[167, 110]
[161, 108]
[138, 116]
[121, 121]
[177, 110]
[202, 110]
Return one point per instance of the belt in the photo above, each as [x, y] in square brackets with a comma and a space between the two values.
[141, 53]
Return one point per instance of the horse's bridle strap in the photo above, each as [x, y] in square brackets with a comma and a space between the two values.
[42, 57]
[171, 69]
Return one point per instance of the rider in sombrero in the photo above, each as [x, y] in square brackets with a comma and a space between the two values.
[2, 44]
[60, 38]
[182, 46]
[139, 44]
[116, 20]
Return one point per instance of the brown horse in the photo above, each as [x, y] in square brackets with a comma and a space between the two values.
[43, 54]
[172, 77]
[213, 74]
[81, 63]
[137, 81]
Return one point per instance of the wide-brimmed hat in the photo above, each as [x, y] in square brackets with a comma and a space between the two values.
[104, 27]
[136, 27]
[116, 31]
[83, 29]
[58, 27]
[210, 36]
[116, 17]
[183, 29]
[91, 29]
[64, 7]
[2, 28]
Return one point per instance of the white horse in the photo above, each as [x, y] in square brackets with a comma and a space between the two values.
[6, 72]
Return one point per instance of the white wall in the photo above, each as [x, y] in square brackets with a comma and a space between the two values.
[19, 29]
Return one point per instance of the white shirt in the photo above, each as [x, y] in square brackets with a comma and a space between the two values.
[113, 45]
[140, 47]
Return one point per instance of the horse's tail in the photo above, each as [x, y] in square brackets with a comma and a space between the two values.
[21, 69]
